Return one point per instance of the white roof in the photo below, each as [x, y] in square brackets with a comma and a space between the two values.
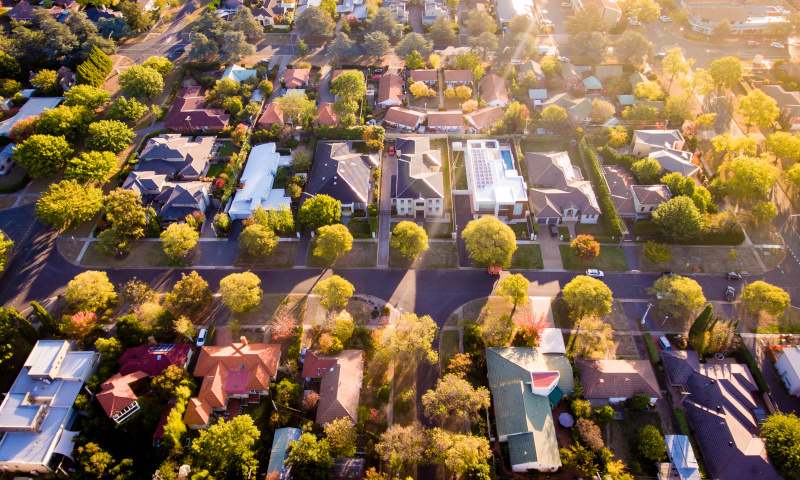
[537, 93]
[552, 341]
[239, 74]
[792, 355]
[258, 178]
[32, 107]
[489, 181]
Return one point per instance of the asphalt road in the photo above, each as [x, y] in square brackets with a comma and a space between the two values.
[37, 271]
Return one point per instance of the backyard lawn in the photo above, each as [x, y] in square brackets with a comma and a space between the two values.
[459, 171]
[441, 145]
[438, 255]
[611, 258]
[527, 256]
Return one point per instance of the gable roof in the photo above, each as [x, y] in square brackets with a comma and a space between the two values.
[658, 138]
[272, 114]
[32, 107]
[681, 454]
[458, 76]
[429, 75]
[154, 359]
[453, 118]
[239, 74]
[558, 185]
[675, 161]
[177, 201]
[326, 115]
[175, 155]
[257, 183]
[418, 170]
[190, 113]
[651, 194]
[145, 182]
[602, 379]
[21, 11]
[493, 88]
[340, 172]
[116, 394]
[390, 88]
[404, 117]
[484, 118]
[341, 387]
[592, 83]
[523, 418]
[296, 77]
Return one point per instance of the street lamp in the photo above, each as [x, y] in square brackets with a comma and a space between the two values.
[644, 316]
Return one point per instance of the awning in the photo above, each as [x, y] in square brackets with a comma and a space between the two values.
[66, 444]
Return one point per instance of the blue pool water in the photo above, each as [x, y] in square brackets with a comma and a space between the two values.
[507, 159]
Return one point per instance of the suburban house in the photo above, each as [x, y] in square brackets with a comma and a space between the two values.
[176, 156]
[526, 384]
[609, 382]
[724, 410]
[36, 414]
[451, 121]
[592, 85]
[493, 90]
[256, 184]
[326, 116]
[31, 108]
[429, 77]
[646, 141]
[117, 397]
[788, 367]
[432, 10]
[342, 173]
[271, 115]
[280, 446]
[578, 110]
[352, 8]
[682, 463]
[611, 11]
[495, 186]
[399, 8]
[239, 74]
[179, 200]
[558, 192]
[390, 90]
[633, 201]
[675, 161]
[232, 374]
[788, 102]
[743, 17]
[403, 119]
[483, 119]
[454, 78]
[340, 379]
[296, 77]
[418, 186]
[531, 68]
[189, 113]
[21, 12]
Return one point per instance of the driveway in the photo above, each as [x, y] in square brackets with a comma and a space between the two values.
[388, 173]
[551, 255]
[462, 209]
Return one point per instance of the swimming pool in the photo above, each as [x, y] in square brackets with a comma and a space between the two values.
[508, 159]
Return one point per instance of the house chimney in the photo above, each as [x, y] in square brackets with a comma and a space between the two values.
[243, 340]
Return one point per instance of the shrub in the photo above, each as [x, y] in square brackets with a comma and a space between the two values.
[94, 70]
[610, 216]
[581, 408]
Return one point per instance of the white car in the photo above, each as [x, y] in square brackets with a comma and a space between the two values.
[595, 273]
[665, 19]
[776, 45]
[633, 21]
[201, 337]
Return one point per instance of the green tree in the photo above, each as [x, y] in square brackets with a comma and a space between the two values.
[385, 21]
[589, 19]
[162, 65]
[6, 247]
[90, 291]
[93, 461]
[515, 118]
[726, 71]
[341, 436]
[226, 448]
[590, 434]
[334, 292]
[514, 288]
[140, 81]
[86, 95]
[641, 113]
[409, 239]
[466, 456]
[332, 242]
[319, 211]
[401, 446]
[413, 335]
[678, 219]
[759, 109]
[178, 240]
[258, 241]
[42, 155]
[646, 11]
[489, 241]
[454, 397]
[784, 145]
[91, 167]
[679, 297]
[647, 171]
[675, 65]
[442, 32]
[127, 109]
[45, 81]
[649, 90]
[657, 253]
[310, 457]
[189, 296]
[69, 121]
[678, 109]
[376, 44]
[314, 22]
[650, 443]
[554, 117]
[760, 296]
[241, 292]
[125, 213]
[297, 107]
[678, 184]
[413, 41]
[748, 179]
[633, 47]
[67, 202]
[586, 296]
[579, 459]
[137, 19]
[478, 21]
[781, 434]
[764, 212]
[602, 110]
[414, 60]
[111, 135]
[497, 330]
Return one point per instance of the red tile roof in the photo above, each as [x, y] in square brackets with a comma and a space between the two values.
[272, 115]
[424, 75]
[493, 88]
[458, 76]
[190, 114]
[390, 88]
[154, 359]
[326, 115]
[544, 379]
[296, 77]
[404, 117]
[484, 118]
[315, 366]
[446, 119]
[116, 393]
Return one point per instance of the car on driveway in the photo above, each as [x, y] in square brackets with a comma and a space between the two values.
[201, 337]
[595, 273]
[776, 45]
[176, 52]
[733, 276]
[730, 293]
[660, 55]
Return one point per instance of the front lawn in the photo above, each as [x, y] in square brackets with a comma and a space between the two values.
[611, 258]
[438, 229]
[521, 230]
[597, 230]
[282, 257]
[438, 255]
[363, 254]
[527, 256]
[359, 228]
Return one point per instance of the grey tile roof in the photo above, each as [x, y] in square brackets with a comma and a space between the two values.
[176, 156]
[340, 172]
[558, 185]
[602, 379]
[179, 200]
[418, 170]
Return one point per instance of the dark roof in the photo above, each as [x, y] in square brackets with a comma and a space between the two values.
[176, 156]
[96, 14]
[341, 173]
[418, 170]
[153, 359]
[679, 365]
[174, 203]
[189, 113]
[603, 379]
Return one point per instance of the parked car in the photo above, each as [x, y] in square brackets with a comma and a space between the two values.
[595, 273]
[633, 21]
[752, 43]
[553, 230]
[6, 165]
[776, 45]
[202, 337]
[661, 55]
[730, 293]
[665, 19]
[176, 52]
[668, 273]
[733, 276]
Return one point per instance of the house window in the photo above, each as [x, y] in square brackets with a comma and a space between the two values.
[517, 209]
[642, 209]
[651, 208]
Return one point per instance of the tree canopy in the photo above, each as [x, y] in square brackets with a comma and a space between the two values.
[67, 203]
[225, 449]
[760, 296]
[409, 239]
[241, 292]
[332, 242]
[489, 241]
[781, 434]
[586, 296]
[318, 211]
